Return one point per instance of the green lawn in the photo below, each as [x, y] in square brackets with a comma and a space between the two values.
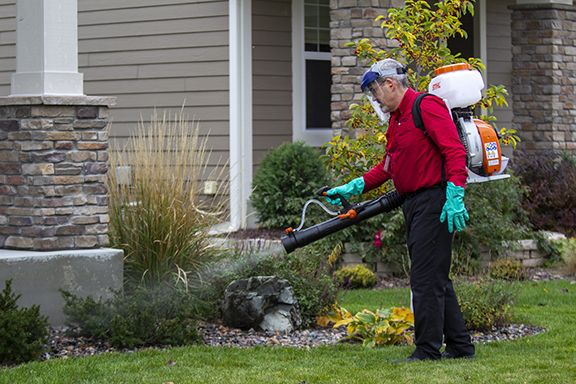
[546, 358]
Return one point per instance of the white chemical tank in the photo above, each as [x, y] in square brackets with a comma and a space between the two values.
[458, 84]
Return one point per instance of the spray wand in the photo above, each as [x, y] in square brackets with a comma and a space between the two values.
[350, 214]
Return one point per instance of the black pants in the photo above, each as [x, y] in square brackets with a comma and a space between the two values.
[437, 315]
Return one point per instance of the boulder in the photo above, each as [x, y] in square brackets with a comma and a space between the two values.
[261, 302]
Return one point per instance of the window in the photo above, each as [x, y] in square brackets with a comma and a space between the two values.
[312, 77]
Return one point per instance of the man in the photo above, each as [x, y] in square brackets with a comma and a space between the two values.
[428, 167]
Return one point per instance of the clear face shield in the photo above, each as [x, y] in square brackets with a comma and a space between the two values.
[381, 111]
[371, 87]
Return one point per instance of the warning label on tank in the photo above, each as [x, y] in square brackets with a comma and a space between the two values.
[491, 150]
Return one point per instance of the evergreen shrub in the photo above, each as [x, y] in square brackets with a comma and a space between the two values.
[356, 276]
[146, 317]
[23, 331]
[288, 176]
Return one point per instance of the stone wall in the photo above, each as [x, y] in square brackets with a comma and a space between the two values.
[352, 20]
[53, 164]
[544, 76]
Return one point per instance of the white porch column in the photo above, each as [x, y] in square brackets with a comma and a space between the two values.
[47, 48]
[240, 25]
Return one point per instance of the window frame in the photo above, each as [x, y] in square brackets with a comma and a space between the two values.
[311, 136]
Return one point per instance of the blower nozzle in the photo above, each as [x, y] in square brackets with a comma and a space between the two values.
[365, 210]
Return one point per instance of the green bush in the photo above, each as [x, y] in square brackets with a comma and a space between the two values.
[507, 269]
[493, 221]
[357, 276]
[23, 331]
[288, 176]
[485, 304]
[307, 270]
[146, 317]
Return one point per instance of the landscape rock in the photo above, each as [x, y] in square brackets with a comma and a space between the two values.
[264, 303]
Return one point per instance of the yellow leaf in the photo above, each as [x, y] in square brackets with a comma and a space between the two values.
[323, 321]
[342, 322]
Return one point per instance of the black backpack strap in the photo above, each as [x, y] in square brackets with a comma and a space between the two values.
[416, 112]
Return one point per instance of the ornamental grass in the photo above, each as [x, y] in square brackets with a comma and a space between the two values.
[158, 215]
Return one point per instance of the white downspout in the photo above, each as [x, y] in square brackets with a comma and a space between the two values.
[240, 50]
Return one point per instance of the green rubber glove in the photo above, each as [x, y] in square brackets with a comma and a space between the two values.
[354, 187]
[454, 209]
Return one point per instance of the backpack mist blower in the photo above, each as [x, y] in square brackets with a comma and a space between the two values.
[460, 87]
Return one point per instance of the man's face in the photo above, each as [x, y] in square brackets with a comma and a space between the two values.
[382, 91]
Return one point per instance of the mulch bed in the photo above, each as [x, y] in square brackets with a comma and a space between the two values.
[62, 345]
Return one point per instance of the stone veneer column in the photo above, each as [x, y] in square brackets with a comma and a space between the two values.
[53, 164]
[544, 76]
[352, 20]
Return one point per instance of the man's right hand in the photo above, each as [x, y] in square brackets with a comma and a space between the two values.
[354, 187]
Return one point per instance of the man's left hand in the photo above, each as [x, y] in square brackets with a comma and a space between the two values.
[454, 209]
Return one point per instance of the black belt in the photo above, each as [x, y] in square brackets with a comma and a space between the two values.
[411, 195]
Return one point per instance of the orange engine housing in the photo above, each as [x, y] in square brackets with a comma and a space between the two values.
[491, 152]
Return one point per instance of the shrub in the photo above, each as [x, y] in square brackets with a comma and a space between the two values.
[158, 218]
[485, 304]
[493, 222]
[288, 176]
[551, 200]
[567, 248]
[146, 317]
[383, 327]
[307, 270]
[507, 269]
[23, 331]
[357, 276]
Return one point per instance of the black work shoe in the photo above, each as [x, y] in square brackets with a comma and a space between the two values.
[448, 355]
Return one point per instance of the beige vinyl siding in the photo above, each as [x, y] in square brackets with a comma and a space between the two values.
[162, 55]
[7, 44]
[148, 54]
[272, 76]
[499, 51]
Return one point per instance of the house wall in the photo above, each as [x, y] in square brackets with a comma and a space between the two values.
[148, 54]
[351, 21]
[161, 55]
[7, 44]
[272, 75]
[499, 54]
[544, 62]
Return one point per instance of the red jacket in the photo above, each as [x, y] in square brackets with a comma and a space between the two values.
[414, 160]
